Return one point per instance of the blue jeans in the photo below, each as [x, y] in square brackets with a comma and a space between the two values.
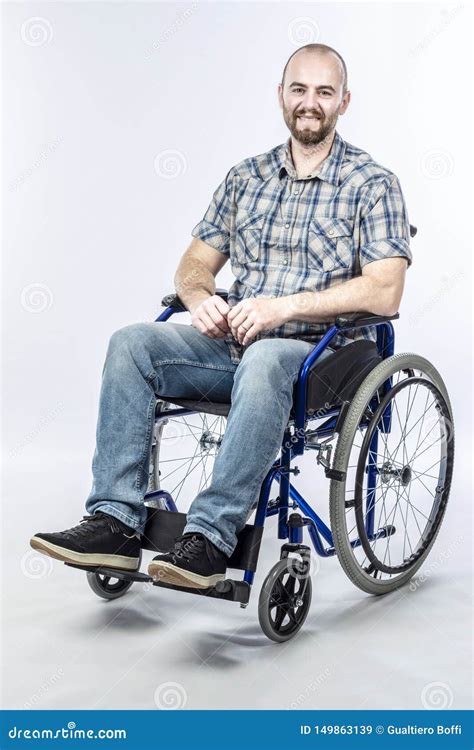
[148, 360]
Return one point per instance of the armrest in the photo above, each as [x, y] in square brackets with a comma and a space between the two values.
[357, 320]
[174, 301]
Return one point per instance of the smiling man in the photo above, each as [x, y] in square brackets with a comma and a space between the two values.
[313, 228]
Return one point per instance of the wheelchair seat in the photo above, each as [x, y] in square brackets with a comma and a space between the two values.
[334, 380]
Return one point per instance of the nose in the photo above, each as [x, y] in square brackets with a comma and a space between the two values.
[310, 102]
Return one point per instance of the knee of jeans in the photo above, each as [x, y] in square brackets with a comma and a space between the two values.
[272, 355]
[128, 340]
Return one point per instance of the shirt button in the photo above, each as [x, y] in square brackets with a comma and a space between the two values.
[287, 226]
[331, 232]
[285, 262]
[296, 191]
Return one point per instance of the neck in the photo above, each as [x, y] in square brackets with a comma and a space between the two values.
[308, 157]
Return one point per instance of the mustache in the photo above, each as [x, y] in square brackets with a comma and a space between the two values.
[308, 114]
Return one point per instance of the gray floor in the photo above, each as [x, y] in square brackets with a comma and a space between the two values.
[66, 648]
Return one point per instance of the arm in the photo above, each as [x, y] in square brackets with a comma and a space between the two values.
[195, 283]
[202, 261]
[379, 290]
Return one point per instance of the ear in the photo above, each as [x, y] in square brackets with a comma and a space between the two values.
[345, 102]
[280, 95]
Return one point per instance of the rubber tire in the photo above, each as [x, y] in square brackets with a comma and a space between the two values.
[337, 497]
[96, 585]
[264, 598]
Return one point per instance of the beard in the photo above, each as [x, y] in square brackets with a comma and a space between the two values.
[307, 136]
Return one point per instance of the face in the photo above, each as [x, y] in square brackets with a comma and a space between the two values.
[311, 99]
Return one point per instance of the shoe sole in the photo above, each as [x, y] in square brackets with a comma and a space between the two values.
[163, 572]
[83, 558]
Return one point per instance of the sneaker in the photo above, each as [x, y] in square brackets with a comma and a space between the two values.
[194, 562]
[99, 539]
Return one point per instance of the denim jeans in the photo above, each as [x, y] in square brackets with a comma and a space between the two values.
[152, 359]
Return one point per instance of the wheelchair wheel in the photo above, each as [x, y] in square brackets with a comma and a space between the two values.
[107, 587]
[395, 453]
[284, 600]
[183, 452]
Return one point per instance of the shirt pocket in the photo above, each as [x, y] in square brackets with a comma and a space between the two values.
[330, 243]
[248, 236]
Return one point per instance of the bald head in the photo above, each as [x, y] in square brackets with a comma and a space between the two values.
[318, 51]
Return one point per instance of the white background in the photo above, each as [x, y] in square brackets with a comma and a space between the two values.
[96, 214]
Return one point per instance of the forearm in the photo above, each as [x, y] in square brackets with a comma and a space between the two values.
[193, 282]
[360, 294]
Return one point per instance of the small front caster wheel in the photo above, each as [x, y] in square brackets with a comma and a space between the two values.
[284, 600]
[108, 586]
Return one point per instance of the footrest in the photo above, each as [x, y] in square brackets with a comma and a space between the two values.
[123, 575]
[233, 591]
[163, 526]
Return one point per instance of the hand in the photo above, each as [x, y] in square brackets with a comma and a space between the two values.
[252, 316]
[210, 317]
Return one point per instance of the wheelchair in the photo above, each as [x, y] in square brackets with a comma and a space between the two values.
[378, 423]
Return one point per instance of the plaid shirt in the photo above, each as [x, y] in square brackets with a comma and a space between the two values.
[286, 234]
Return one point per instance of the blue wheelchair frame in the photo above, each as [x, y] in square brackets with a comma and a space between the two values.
[294, 445]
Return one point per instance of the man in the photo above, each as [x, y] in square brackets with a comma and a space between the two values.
[313, 228]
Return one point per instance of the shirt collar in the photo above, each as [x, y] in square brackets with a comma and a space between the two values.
[329, 169]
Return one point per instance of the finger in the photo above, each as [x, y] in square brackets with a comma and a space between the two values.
[234, 311]
[217, 318]
[222, 306]
[211, 329]
[250, 334]
[242, 330]
[237, 321]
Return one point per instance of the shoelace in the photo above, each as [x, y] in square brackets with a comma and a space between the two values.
[83, 527]
[188, 547]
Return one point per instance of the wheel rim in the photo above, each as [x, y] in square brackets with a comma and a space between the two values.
[288, 602]
[117, 584]
[397, 513]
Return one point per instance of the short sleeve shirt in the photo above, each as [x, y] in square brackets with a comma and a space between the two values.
[285, 235]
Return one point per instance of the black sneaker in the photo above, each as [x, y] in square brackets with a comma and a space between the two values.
[99, 539]
[194, 563]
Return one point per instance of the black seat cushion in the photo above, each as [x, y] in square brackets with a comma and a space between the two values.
[334, 380]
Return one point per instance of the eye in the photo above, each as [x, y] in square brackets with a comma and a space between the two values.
[297, 89]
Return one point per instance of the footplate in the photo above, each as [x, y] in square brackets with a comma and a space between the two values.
[123, 575]
[233, 591]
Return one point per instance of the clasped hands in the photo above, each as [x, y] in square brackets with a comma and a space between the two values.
[215, 318]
